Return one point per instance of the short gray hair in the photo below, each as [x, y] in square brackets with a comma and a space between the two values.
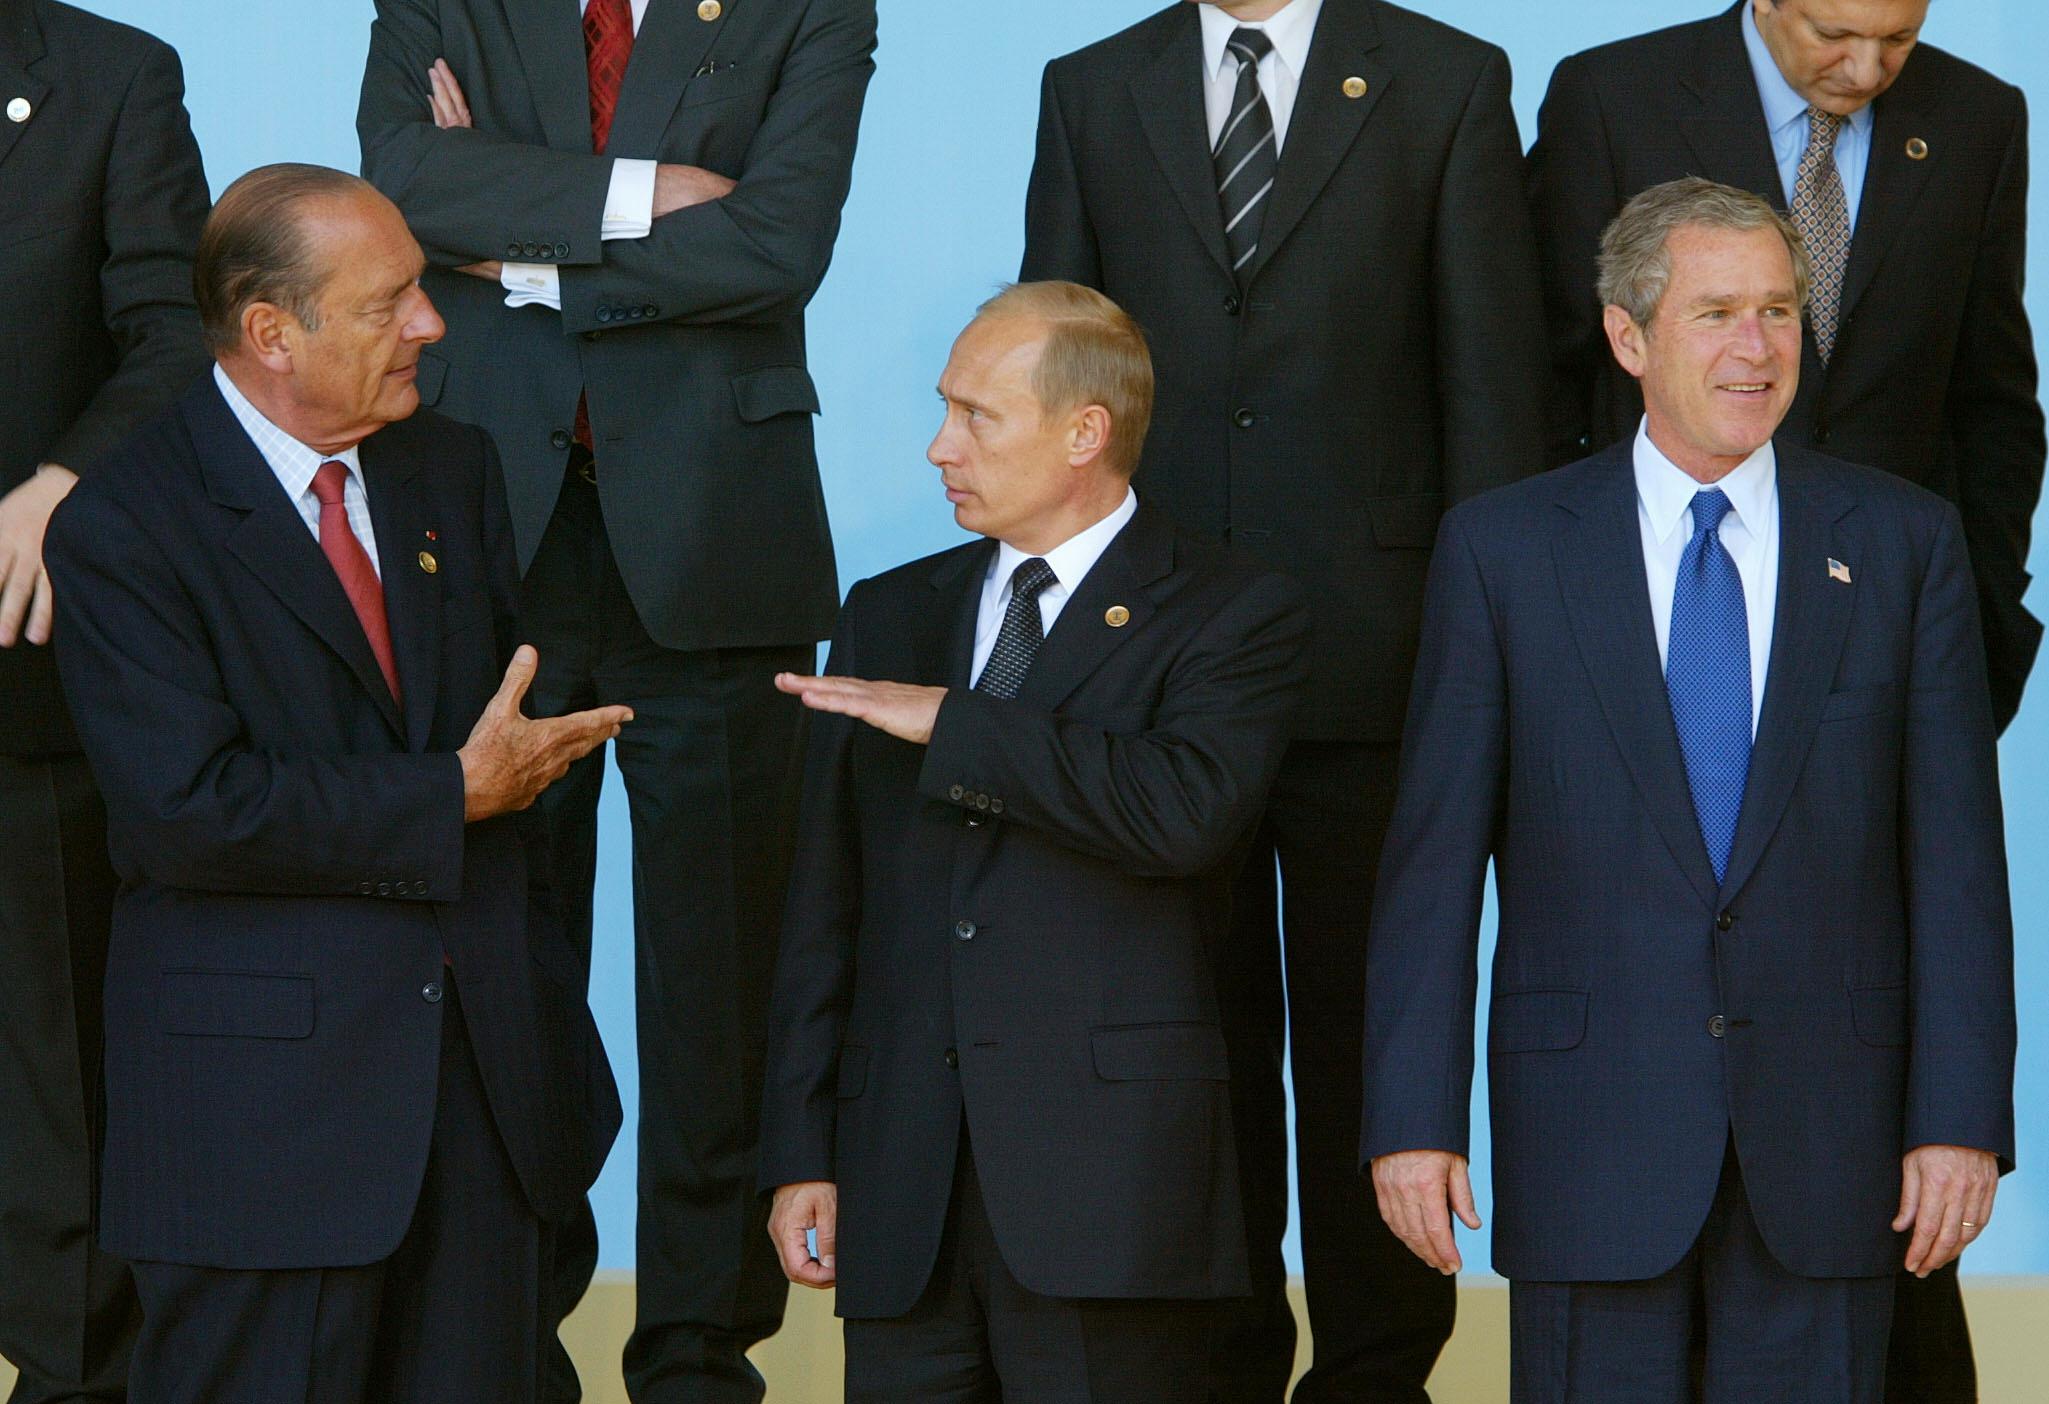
[1636, 263]
[256, 248]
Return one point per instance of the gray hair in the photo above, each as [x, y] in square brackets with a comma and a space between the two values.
[255, 248]
[1635, 263]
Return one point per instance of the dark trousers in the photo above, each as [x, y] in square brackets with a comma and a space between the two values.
[1378, 1315]
[452, 1317]
[1752, 1332]
[976, 1336]
[710, 766]
[1930, 1360]
[67, 1310]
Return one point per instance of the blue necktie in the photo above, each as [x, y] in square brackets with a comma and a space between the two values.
[1707, 676]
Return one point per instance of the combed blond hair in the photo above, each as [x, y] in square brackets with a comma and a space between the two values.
[1636, 262]
[1095, 354]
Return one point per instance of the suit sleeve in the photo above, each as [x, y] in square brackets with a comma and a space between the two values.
[1167, 802]
[1960, 927]
[154, 204]
[814, 976]
[191, 802]
[1572, 198]
[1489, 313]
[1995, 420]
[1422, 956]
[1060, 242]
[761, 252]
[467, 194]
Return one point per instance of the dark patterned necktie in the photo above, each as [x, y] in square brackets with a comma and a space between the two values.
[607, 46]
[1017, 642]
[1822, 215]
[1246, 154]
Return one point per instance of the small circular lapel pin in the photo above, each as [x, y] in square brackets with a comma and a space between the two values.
[18, 109]
[1355, 87]
[1116, 616]
[1917, 149]
[428, 563]
[710, 10]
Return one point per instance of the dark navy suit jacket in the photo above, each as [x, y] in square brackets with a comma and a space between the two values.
[1845, 994]
[292, 850]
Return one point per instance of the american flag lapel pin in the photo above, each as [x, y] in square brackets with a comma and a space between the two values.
[1838, 571]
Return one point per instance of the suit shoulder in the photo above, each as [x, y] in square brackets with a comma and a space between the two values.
[99, 42]
[908, 586]
[1650, 58]
[1123, 52]
[1411, 30]
[1871, 489]
[427, 431]
[1962, 83]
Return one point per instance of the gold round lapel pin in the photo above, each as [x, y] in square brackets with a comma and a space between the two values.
[1917, 149]
[1355, 87]
[710, 10]
[1116, 616]
[428, 563]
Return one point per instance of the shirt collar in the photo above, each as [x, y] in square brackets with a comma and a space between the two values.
[1290, 28]
[1783, 105]
[292, 462]
[1073, 558]
[1666, 491]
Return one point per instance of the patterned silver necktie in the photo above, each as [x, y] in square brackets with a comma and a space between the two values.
[1023, 630]
[1822, 215]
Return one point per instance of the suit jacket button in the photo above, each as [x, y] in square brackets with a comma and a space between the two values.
[964, 930]
[512, 250]
[1724, 921]
[654, 309]
[530, 249]
[383, 889]
[366, 889]
[957, 793]
[1244, 419]
[981, 801]
[561, 439]
[562, 251]
[1718, 1026]
[1231, 305]
[604, 314]
[976, 821]
[431, 992]
[1821, 433]
[953, 1057]
[995, 806]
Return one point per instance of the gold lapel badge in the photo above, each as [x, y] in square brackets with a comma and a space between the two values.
[18, 109]
[1838, 571]
[1917, 149]
[428, 563]
[710, 10]
[1116, 616]
[1355, 87]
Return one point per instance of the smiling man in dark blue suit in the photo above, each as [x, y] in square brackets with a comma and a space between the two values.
[1717, 713]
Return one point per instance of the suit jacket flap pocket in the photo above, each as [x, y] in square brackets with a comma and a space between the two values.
[1138, 1052]
[236, 1004]
[1405, 523]
[853, 1070]
[1532, 1021]
[1879, 1015]
[773, 390]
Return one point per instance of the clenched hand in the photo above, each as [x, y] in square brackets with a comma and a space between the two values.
[509, 759]
[814, 1204]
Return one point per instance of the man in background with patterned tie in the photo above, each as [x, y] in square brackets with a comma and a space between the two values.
[626, 218]
[1716, 711]
[1315, 210]
[998, 1091]
[348, 1074]
[1906, 170]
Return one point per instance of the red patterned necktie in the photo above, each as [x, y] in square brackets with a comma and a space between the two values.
[607, 45]
[352, 566]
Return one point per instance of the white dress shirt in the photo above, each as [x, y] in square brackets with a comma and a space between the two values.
[1785, 116]
[295, 464]
[1280, 72]
[1750, 532]
[629, 214]
[1070, 561]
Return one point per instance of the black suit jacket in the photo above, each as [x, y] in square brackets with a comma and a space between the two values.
[1383, 356]
[689, 342]
[292, 850]
[1933, 373]
[101, 200]
[1012, 922]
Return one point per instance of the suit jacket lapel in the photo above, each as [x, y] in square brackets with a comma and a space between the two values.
[1728, 132]
[1325, 123]
[401, 518]
[549, 37]
[271, 540]
[21, 48]
[668, 51]
[945, 643]
[1893, 181]
[1082, 637]
[1812, 621]
[1168, 96]
[1599, 560]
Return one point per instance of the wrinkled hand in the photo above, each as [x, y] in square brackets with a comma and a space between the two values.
[510, 759]
[1941, 1189]
[904, 710]
[24, 587]
[814, 1204]
[680, 187]
[1418, 1192]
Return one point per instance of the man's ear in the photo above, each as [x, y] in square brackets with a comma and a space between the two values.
[1625, 338]
[1088, 436]
[268, 332]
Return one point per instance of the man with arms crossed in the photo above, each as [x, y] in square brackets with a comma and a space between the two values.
[1717, 713]
[998, 1091]
[349, 1064]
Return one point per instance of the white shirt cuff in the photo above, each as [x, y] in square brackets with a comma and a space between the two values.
[528, 283]
[630, 201]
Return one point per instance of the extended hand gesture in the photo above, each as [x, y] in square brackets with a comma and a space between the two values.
[904, 710]
[510, 759]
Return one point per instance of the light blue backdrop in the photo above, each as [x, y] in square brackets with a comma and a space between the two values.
[934, 223]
